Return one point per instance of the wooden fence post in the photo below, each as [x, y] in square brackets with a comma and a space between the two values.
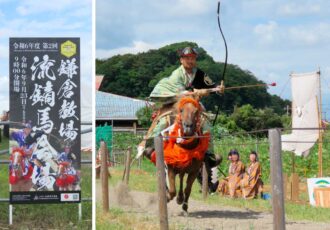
[104, 176]
[275, 151]
[162, 201]
[285, 185]
[128, 164]
[294, 187]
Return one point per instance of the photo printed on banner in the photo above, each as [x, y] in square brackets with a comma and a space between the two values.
[44, 120]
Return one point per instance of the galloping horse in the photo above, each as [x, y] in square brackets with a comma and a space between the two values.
[19, 167]
[185, 145]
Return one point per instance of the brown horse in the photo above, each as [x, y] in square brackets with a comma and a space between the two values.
[19, 167]
[185, 145]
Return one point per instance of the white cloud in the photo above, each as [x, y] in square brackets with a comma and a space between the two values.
[269, 38]
[137, 47]
[4, 52]
[28, 7]
[266, 32]
[35, 18]
[298, 9]
[310, 34]
[188, 7]
[4, 93]
[302, 35]
[86, 61]
[325, 76]
[257, 8]
[28, 27]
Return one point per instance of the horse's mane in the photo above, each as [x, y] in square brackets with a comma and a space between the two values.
[18, 149]
[182, 100]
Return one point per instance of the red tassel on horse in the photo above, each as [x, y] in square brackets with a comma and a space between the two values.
[70, 179]
[61, 182]
[13, 179]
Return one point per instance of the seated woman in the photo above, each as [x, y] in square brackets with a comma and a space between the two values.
[252, 183]
[231, 184]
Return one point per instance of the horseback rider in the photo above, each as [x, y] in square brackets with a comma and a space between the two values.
[26, 138]
[20, 137]
[66, 155]
[185, 80]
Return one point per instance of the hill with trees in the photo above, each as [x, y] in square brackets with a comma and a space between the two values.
[135, 75]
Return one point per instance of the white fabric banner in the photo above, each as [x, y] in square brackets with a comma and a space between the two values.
[305, 88]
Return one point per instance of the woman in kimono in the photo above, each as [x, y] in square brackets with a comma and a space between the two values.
[252, 183]
[231, 184]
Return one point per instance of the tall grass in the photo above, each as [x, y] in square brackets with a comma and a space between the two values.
[306, 167]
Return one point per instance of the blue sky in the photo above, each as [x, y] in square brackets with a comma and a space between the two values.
[271, 38]
[40, 18]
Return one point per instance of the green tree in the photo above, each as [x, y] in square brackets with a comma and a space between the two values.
[144, 116]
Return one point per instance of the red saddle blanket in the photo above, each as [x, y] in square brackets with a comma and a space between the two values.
[179, 157]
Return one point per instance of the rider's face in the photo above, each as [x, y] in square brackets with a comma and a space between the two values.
[27, 131]
[188, 62]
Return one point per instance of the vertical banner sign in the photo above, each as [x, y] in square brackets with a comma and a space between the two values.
[45, 120]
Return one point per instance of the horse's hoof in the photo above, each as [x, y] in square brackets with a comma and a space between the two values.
[185, 207]
[185, 214]
[179, 200]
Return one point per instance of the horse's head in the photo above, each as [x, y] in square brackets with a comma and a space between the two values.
[188, 110]
[62, 167]
[17, 158]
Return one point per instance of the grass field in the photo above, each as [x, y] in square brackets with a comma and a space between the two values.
[144, 179]
[46, 216]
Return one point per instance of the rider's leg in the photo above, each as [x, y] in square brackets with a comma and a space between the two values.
[149, 148]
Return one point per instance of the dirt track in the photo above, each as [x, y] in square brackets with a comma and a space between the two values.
[201, 215]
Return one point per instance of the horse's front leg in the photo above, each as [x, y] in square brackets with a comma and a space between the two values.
[179, 198]
[190, 180]
[171, 190]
